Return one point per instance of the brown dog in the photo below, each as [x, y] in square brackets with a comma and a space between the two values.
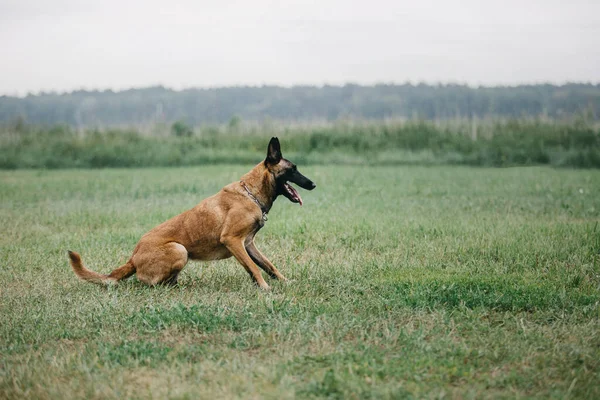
[219, 227]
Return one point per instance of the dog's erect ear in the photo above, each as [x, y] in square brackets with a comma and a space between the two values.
[273, 152]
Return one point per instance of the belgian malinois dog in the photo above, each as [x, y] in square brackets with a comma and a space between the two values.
[219, 227]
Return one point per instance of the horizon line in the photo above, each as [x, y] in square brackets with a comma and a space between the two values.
[43, 92]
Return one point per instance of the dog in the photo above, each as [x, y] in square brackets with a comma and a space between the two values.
[219, 227]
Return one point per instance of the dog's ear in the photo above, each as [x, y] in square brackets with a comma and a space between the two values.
[273, 152]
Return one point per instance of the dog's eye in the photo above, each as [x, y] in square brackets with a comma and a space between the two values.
[294, 168]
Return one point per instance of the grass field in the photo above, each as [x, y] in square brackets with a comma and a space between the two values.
[425, 282]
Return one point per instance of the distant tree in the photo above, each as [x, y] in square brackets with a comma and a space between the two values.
[181, 129]
[299, 103]
[19, 124]
[234, 123]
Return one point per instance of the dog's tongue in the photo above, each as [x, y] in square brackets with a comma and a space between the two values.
[295, 195]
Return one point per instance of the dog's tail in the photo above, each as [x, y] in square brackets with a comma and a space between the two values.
[124, 271]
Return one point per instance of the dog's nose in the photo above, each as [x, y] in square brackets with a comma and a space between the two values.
[312, 185]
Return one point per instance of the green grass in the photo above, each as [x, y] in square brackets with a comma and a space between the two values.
[422, 282]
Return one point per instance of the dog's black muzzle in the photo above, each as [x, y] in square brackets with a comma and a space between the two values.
[302, 181]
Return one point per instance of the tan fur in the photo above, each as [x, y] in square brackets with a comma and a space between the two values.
[219, 227]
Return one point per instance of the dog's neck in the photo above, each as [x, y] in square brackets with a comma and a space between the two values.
[261, 184]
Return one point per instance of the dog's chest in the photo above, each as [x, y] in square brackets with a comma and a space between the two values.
[258, 225]
[262, 220]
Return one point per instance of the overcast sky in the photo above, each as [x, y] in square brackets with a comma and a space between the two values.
[70, 44]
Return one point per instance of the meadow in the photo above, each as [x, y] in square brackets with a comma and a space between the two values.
[407, 282]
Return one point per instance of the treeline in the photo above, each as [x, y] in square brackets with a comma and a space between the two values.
[500, 143]
[196, 107]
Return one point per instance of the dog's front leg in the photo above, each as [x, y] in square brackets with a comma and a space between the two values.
[236, 246]
[264, 262]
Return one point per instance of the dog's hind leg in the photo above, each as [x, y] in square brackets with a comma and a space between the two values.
[172, 280]
[263, 262]
[162, 264]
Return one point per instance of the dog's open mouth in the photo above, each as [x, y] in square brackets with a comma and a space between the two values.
[293, 195]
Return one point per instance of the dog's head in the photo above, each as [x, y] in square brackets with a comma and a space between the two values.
[285, 171]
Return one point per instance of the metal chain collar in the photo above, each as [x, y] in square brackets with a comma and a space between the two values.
[262, 208]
